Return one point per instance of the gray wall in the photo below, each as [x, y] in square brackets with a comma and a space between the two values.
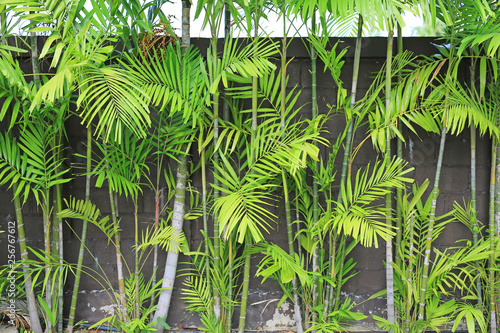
[420, 152]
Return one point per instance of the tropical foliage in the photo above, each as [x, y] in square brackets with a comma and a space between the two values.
[220, 139]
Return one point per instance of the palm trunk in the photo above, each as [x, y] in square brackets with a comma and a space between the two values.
[492, 265]
[172, 258]
[48, 251]
[346, 162]
[291, 250]
[251, 157]
[432, 218]
[81, 252]
[244, 294]
[388, 197]
[179, 202]
[314, 114]
[473, 182]
[410, 273]
[60, 254]
[137, 264]
[28, 282]
[119, 263]
[226, 114]
[399, 191]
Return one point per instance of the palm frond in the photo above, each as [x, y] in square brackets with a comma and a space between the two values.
[14, 166]
[114, 95]
[174, 82]
[167, 237]
[240, 63]
[278, 261]
[356, 215]
[87, 211]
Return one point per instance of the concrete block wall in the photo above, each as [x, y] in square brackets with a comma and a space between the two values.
[420, 151]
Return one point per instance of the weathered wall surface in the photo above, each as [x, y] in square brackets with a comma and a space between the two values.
[420, 151]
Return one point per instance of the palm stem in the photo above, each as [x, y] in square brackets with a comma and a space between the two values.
[315, 203]
[492, 227]
[432, 218]
[172, 258]
[244, 293]
[291, 250]
[137, 264]
[346, 161]
[226, 114]
[473, 184]
[83, 237]
[179, 201]
[251, 157]
[399, 191]
[28, 282]
[388, 197]
[48, 250]
[119, 263]
[217, 238]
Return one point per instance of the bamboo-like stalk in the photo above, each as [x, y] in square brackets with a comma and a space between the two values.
[388, 197]
[473, 183]
[432, 218]
[226, 114]
[410, 272]
[314, 113]
[492, 227]
[48, 250]
[250, 157]
[83, 236]
[60, 254]
[346, 161]
[172, 258]
[291, 250]
[137, 264]
[217, 238]
[399, 191]
[119, 263]
[179, 201]
[28, 282]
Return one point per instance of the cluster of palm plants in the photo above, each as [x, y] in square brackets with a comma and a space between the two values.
[148, 97]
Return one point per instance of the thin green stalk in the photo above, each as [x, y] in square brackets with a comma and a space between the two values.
[217, 239]
[48, 250]
[28, 282]
[83, 237]
[492, 264]
[410, 272]
[205, 214]
[399, 191]
[251, 157]
[291, 250]
[314, 114]
[225, 115]
[346, 162]
[119, 264]
[473, 184]
[137, 264]
[60, 254]
[432, 218]
[244, 293]
[388, 197]
[179, 200]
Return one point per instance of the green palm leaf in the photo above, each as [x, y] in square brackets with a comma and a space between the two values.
[357, 215]
[112, 94]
